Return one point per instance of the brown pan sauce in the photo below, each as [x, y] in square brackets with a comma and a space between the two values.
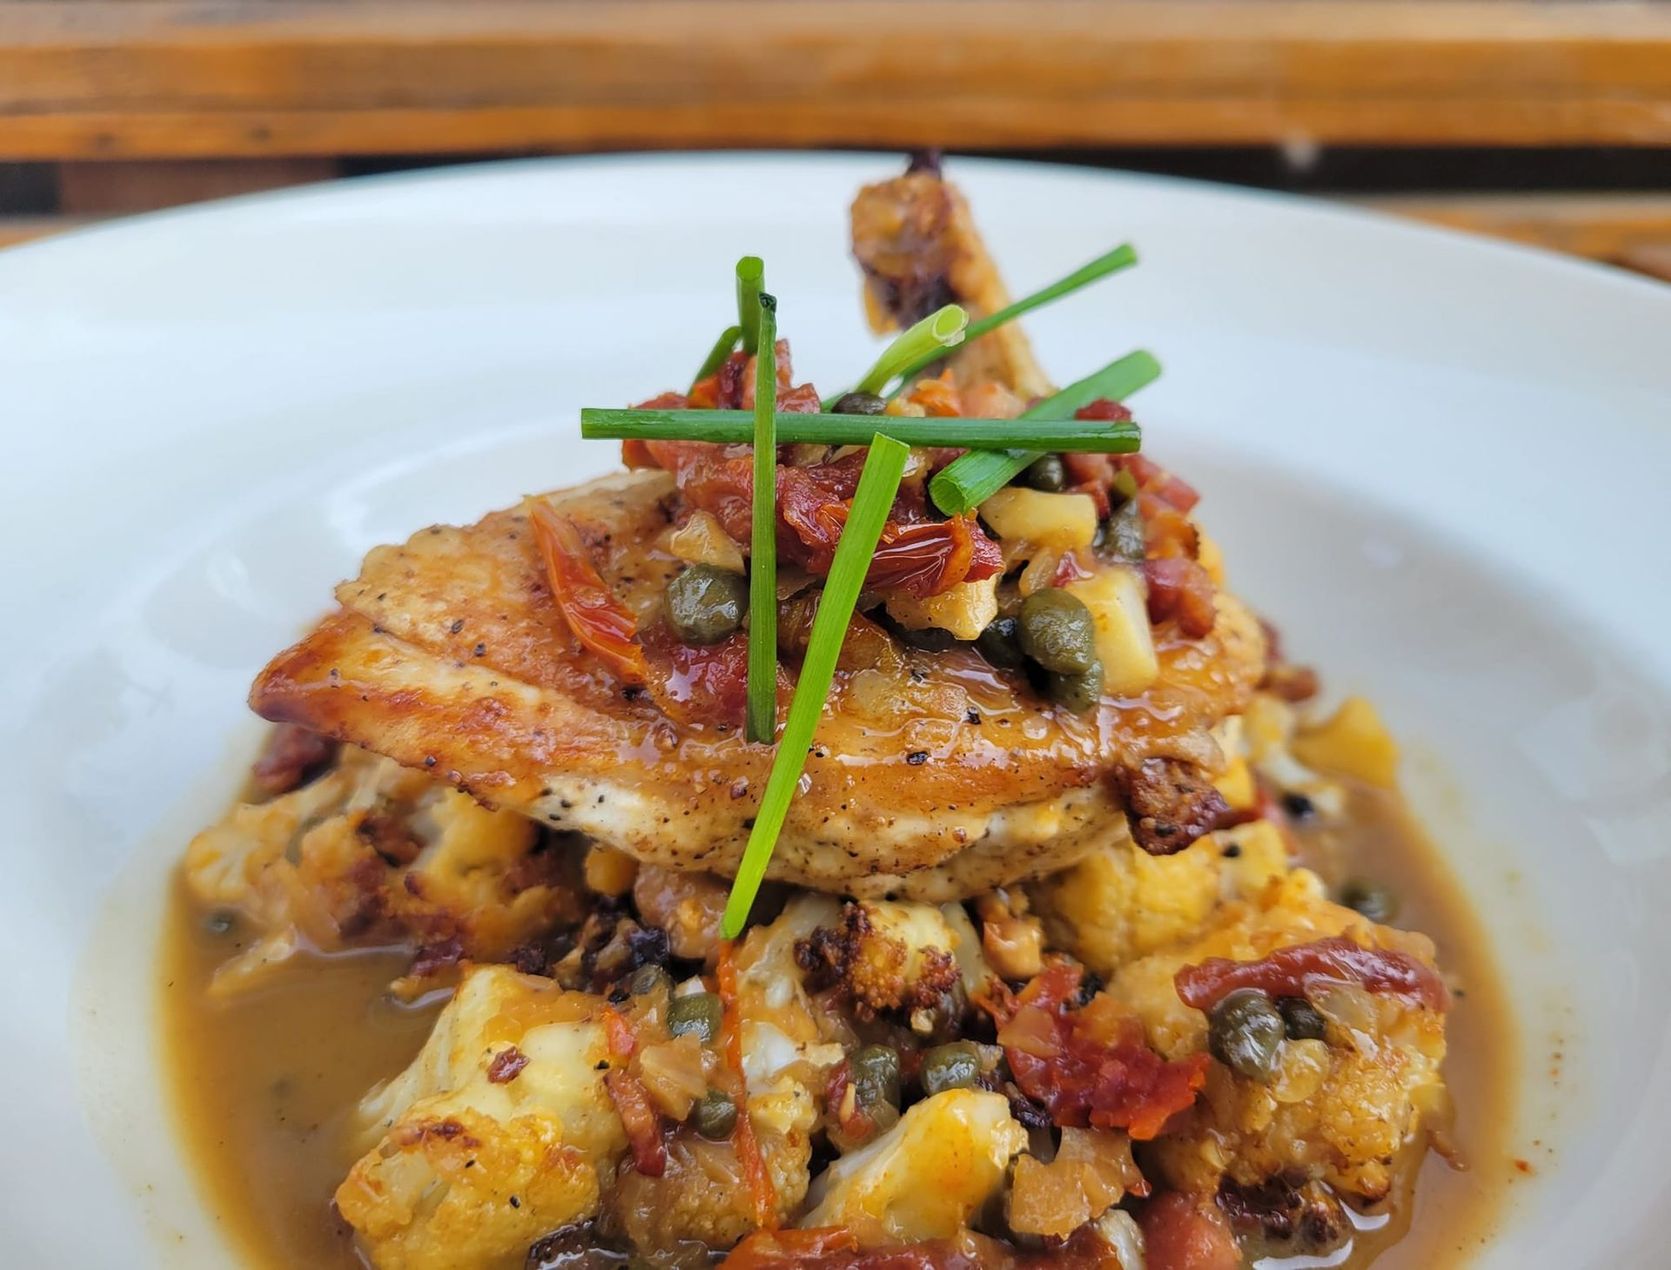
[264, 1084]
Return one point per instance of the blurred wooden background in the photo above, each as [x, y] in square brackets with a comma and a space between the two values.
[1542, 120]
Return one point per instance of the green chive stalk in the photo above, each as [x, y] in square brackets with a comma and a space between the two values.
[969, 480]
[1122, 257]
[751, 277]
[872, 501]
[762, 572]
[723, 347]
[736, 427]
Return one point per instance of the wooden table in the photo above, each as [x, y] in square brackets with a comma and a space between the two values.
[148, 102]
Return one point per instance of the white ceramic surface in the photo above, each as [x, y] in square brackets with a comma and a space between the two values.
[1441, 463]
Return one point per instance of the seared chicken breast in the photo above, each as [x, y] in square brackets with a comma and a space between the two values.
[934, 776]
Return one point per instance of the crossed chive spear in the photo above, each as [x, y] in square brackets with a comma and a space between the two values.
[997, 450]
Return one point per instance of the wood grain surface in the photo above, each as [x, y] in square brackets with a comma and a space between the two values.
[172, 79]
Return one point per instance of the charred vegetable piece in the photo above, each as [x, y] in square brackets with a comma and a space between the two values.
[1245, 1032]
[858, 403]
[1045, 473]
[1000, 644]
[714, 1115]
[706, 605]
[1057, 632]
[1077, 692]
[1373, 900]
[699, 1013]
[954, 1066]
[875, 1076]
[1304, 1021]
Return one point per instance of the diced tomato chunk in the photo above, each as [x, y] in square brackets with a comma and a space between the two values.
[1104, 408]
[1180, 588]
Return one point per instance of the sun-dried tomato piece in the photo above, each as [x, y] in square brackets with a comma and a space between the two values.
[639, 1119]
[927, 558]
[1069, 570]
[1300, 969]
[598, 619]
[1104, 408]
[1091, 1065]
[699, 683]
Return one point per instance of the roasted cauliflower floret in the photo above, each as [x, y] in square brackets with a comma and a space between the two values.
[370, 853]
[500, 1130]
[884, 956]
[1120, 902]
[1338, 1109]
[461, 1189]
[926, 1177]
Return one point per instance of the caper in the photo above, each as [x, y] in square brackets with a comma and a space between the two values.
[1373, 900]
[1078, 693]
[859, 403]
[954, 1066]
[931, 639]
[1000, 644]
[874, 1071]
[1057, 632]
[706, 604]
[714, 1115]
[1245, 1033]
[1303, 1020]
[700, 1012]
[1122, 534]
[1045, 472]
[647, 979]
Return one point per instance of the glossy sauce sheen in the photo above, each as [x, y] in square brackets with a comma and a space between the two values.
[263, 1085]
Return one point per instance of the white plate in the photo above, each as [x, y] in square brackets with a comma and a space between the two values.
[1441, 463]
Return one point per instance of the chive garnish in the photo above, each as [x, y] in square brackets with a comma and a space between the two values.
[872, 502]
[971, 479]
[736, 427]
[1121, 257]
[926, 342]
[722, 349]
[751, 274]
[762, 570]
